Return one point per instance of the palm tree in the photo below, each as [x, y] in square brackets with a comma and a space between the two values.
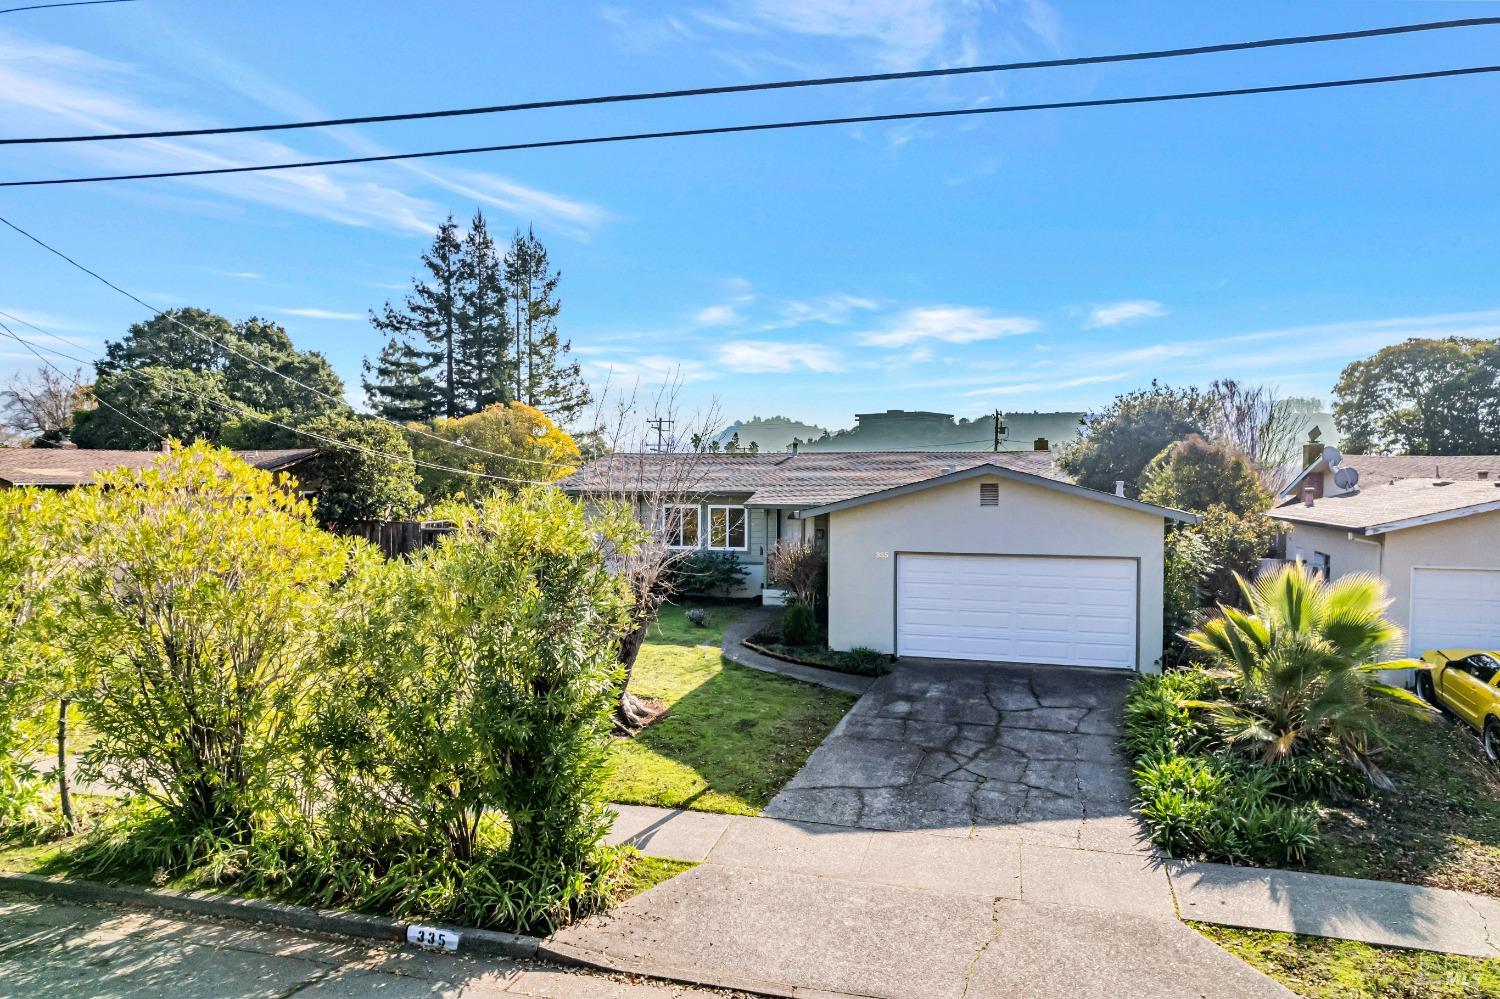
[1306, 656]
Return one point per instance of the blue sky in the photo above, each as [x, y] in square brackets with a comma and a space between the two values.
[1040, 261]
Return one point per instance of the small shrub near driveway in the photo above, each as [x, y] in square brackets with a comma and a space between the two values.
[1234, 761]
[799, 625]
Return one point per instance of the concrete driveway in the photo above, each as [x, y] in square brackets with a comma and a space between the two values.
[964, 749]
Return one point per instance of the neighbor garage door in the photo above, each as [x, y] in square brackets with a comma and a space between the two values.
[1455, 609]
[1004, 608]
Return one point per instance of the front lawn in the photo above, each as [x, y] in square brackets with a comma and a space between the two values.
[1439, 827]
[1320, 968]
[731, 737]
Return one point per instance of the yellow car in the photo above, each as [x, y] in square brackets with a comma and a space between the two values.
[1467, 683]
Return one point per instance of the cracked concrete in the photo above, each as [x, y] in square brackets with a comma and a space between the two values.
[977, 750]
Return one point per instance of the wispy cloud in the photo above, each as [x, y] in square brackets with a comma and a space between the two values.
[763, 356]
[645, 369]
[1123, 312]
[45, 87]
[717, 315]
[947, 324]
[315, 313]
[242, 275]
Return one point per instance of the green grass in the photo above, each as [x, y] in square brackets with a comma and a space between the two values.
[732, 736]
[1319, 968]
[643, 872]
[1439, 827]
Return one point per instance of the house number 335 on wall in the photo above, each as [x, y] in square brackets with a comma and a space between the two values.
[432, 937]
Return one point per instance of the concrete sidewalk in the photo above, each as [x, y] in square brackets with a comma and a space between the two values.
[794, 908]
[754, 620]
[62, 950]
[1376, 912]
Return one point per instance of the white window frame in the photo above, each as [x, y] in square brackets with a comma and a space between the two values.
[744, 520]
[667, 517]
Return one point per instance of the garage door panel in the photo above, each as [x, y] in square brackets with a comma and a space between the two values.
[1455, 609]
[1065, 611]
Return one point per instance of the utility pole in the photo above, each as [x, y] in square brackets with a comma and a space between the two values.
[660, 426]
[999, 431]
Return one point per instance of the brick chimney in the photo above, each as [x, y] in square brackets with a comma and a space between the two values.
[166, 445]
[1309, 494]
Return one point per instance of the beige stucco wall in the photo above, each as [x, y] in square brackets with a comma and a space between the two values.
[1345, 555]
[1464, 543]
[1030, 520]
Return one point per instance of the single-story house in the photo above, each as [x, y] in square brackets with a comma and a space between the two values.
[950, 555]
[69, 467]
[1430, 526]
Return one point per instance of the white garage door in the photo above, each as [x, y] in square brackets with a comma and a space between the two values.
[1004, 608]
[1454, 609]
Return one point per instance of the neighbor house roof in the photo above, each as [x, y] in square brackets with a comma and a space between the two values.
[801, 480]
[62, 467]
[1382, 468]
[1392, 506]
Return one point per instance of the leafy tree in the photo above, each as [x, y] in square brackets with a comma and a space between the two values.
[1195, 474]
[415, 376]
[1187, 564]
[1118, 442]
[545, 378]
[41, 405]
[1305, 657]
[163, 342]
[1423, 396]
[524, 446]
[171, 402]
[1236, 544]
[478, 678]
[354, 482]
[200, 589]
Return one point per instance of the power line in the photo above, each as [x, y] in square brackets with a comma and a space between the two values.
[1284, 88]
[239, 353]
[38, 355]
[232, 408]
[73, 3]
[1400, 29]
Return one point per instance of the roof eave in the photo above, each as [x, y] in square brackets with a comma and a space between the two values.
[1433, 518]
[1000, 471]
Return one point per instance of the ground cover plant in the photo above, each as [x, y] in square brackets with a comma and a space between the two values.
[731, 736]
[1320, 968]
[1236, 758]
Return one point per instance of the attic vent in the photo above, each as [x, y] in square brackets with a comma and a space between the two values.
[989, 494]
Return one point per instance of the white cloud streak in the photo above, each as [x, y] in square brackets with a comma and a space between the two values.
[1123, 312]
[315, 313]
[767, 356]
[947, 324]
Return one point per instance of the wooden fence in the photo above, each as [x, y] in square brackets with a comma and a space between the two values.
[397, 538]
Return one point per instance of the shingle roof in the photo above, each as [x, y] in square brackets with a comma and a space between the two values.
[1376, 508]
[791, 480]
[1382, 468]
[38, 466]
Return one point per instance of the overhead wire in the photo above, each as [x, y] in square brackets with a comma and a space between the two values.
[743, 88]
[1283, 88]
[162, 314]
[246, 412]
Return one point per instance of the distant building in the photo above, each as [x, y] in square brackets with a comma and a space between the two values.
[915, 430]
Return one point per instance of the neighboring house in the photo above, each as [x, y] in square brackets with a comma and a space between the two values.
[912, 430]
[66, 468]
[1430, 526]
[972, 555]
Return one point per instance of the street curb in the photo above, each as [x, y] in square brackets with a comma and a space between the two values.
[490, 943]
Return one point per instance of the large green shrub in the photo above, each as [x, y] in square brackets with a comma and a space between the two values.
[199, 590]
[25, 671]
[1187, 564]
[478, 680]
[708, 573]
[799, 625]
[1236, 544]
[1195, 474]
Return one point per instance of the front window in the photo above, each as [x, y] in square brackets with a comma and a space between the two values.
[1322, 564]
[726, 528]
[680, 525]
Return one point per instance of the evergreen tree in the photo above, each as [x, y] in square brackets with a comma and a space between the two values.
[485, 333]
[421, 348]
[544, 376]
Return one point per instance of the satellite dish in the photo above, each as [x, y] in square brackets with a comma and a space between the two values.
[1346, 478]
[1332, 455]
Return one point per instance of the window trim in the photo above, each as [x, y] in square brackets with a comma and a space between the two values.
[744, 520]
[666, 515]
